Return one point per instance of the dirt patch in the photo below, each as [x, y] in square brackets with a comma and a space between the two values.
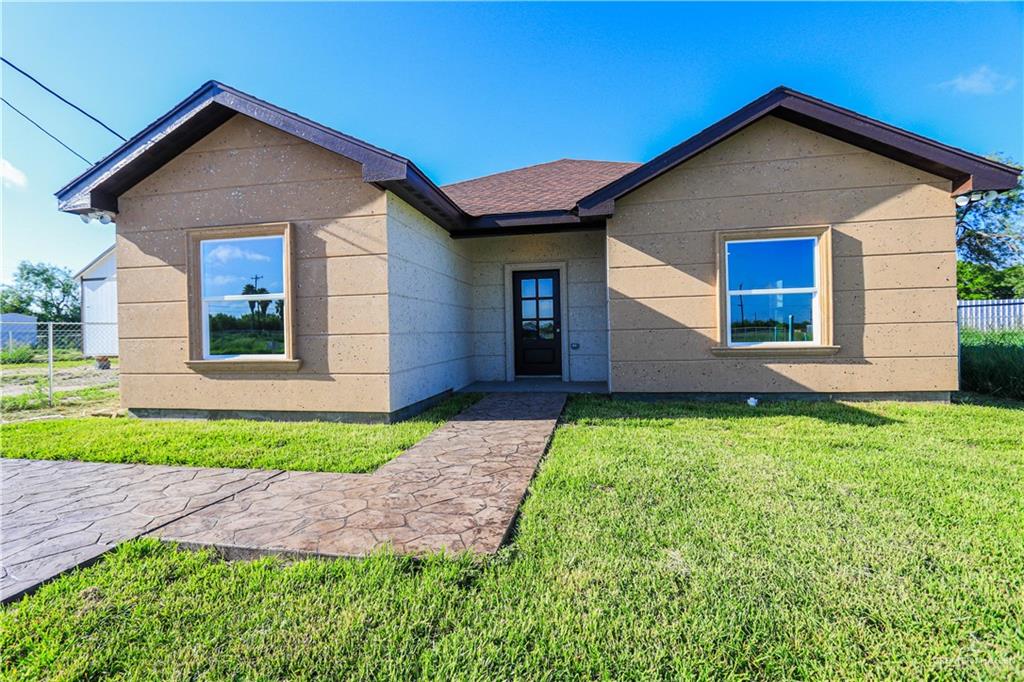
[19, 381]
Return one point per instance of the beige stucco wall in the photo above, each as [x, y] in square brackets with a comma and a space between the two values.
[430, 297]
[584, 289]
[893, 259]
[245, 173]
[389, 310]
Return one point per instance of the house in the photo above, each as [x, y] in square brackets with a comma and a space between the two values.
[270, 266]
[97, 283]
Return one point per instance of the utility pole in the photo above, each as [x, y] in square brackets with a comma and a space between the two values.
[742, 317]
[253, 306]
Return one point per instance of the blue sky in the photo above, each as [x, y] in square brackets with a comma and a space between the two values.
[466, 90]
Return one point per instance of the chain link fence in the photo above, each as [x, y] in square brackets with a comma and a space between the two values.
[47, 364]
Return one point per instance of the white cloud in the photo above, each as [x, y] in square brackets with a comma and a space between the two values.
[982, 81]
[221, 280]
[225, 253]
[12, 175]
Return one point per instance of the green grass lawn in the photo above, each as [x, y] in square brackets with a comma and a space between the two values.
[301, 446]
[658, 541]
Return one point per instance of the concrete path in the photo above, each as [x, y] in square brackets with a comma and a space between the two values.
[457, 489]
[58, 515]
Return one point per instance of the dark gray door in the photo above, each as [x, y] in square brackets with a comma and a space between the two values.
[538, 323]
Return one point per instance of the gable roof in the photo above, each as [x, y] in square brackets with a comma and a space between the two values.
[966, 171]
[551, 186]
[565, 194]
[209, 107]
[107, 253]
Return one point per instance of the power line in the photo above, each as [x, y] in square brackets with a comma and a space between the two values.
[54, 137]
[62, 99]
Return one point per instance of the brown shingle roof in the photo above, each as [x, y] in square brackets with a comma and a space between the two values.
[556, 185]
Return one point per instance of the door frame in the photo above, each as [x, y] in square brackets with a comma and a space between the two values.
[563, 300]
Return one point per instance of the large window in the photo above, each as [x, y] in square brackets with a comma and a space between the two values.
[775, 290]
[243, 297]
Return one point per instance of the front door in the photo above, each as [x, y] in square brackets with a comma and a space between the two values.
[538, 323]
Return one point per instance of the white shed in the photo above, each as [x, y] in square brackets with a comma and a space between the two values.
[98, 281]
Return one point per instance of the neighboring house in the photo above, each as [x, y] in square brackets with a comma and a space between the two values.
[98, 284]
[18, 329]
[271, 266]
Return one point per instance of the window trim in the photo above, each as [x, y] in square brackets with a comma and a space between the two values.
[822, 313]
[198, 358]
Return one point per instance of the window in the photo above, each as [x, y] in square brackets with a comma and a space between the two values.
[776, 289]
[241, 296]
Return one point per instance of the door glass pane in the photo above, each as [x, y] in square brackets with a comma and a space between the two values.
[247, 265]
[529, 288]
[246, 327]
[546, 308]
[529, 329]
[771, 318]
[547, 329]
[545, 287]
[529, 309]
[774, 264]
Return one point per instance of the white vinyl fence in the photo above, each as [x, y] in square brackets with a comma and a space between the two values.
[990, 315]
[39, 359]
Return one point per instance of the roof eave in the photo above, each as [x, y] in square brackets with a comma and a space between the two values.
[965, 170]
[527, 222]
[167, 136]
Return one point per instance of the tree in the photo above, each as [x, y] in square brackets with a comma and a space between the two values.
[992, 233]
[250, 290]
[1013, 277]
[980, 281]
[12, 301]
[45, 290]
[264, 305]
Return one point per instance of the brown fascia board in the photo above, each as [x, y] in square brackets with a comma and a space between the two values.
[527, 222]
[965, 170]
[213, 104]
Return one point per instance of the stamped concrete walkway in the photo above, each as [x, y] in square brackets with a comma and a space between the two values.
[58, 515]
[457, 489]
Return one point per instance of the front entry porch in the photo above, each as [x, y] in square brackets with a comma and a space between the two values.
[536, 385]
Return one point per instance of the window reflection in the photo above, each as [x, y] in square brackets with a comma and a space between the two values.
[242, 282]
[242, 266]
[772, 318]
[771, 264]
[772, 291]
[246, 327]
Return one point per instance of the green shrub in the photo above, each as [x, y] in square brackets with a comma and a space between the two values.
[17, 355]
[992, 362]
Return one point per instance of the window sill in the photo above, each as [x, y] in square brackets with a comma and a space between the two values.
[244, 365]
[774, 351]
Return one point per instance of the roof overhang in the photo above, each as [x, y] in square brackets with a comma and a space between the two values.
[529, 222]
[212, 105]
[964, 170]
